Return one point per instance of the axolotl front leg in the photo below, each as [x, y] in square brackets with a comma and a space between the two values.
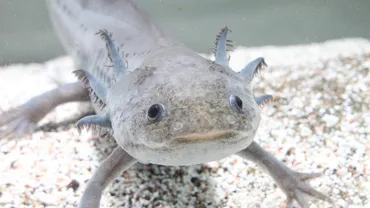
[291, 182]
[117, 162]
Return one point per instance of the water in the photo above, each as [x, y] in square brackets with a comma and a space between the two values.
[26, 34]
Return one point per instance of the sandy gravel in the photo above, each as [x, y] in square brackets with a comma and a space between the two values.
[321, 122]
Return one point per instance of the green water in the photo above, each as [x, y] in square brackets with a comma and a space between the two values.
[26, 34]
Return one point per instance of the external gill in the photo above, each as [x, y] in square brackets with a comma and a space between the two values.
[223, 45]
[220, 52]
[252, 69]
[97, 92]
[97, 123]
[119, 64]
[263, 100]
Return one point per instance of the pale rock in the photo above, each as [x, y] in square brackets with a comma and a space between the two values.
[305, 131]
[330, 120]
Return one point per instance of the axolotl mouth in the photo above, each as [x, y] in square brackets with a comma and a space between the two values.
[214, 136]
[195, 148]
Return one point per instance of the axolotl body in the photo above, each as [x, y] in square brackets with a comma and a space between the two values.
[162, 102]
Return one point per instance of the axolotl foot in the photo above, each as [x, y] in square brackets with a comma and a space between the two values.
[18, 122]
[22, 120]
[294, 184]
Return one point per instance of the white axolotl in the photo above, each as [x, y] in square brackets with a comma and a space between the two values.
[162, 102]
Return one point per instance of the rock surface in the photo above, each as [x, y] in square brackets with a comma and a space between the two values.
[320, 122]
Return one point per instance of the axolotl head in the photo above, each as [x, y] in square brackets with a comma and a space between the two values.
[179, 108]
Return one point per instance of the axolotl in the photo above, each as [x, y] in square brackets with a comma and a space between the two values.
[162, 102]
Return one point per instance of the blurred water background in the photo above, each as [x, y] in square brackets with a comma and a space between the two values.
[26, 34]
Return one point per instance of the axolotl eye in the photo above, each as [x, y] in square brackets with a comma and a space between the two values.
[236, 103]
[155, 112]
